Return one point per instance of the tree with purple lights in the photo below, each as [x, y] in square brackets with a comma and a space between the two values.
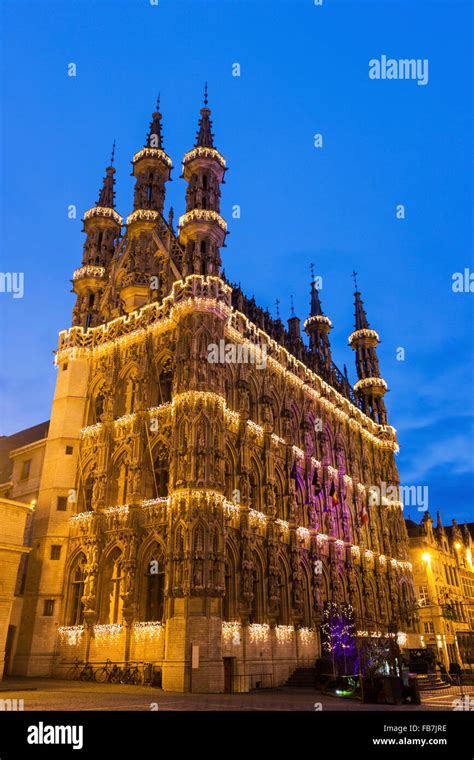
[338, 635]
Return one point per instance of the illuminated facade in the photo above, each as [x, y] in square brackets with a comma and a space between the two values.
[444, 581]
[212, 506]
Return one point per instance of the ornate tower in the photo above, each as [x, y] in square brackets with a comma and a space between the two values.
[202, 229]
[318, 327]
[144, 270]
[102, 226]
[151, 168]
[370, 387]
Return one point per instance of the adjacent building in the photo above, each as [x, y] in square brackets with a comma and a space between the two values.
[444, 580]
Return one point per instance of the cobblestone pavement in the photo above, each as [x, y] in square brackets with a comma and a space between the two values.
[48, 694]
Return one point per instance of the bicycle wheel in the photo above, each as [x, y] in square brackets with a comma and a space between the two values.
[72, 673]
[101, 675]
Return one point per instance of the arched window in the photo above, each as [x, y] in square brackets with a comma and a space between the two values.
[161, 468]
[88, 490]
[155, 585]
[254, 480]
[284, 609]
[98, 406]
[76, 592]
[165, 382]
[229, 479]
[230, 598]
[113, 588]
[257, 614]
[307, 602]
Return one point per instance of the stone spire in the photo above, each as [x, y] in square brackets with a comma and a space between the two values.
[370, 387]
[204, 136]
[155, 137]
[107, 192]
[318, 327]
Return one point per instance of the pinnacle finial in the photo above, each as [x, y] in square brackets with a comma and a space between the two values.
[292, 307]
[205, 95]
[112, 157]
[158, 101]
[354, 274]
[278, 308]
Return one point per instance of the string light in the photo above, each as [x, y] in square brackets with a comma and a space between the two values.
[107, 631]
[307, 635]
[203, 152]
[148, 152]
[147, 630]
[258, 632]
[257, 518]
[284, 633]
[231, 631]
[88, 271]
[103, 211]
[202, 215]
[71, 634]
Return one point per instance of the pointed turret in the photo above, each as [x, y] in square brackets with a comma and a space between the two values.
[155, 136]
[107, 192]
[102, 226]
[370, 387]
[318, 327]
[294, 343]
[204, 136]
[202, 229]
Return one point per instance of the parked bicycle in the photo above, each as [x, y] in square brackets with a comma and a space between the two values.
[108, 673]
[81, 671]
[131, 674]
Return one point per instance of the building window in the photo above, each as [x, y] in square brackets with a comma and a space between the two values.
[424, 599]
[25, 470]
[55, 551]
[76, 613]
[48, 608]
[155, 586]
[64, 366]
[69, 450]
[428, 627]
[61, 504]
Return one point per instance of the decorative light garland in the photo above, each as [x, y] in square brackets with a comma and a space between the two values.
[257, 518]
[307, 635]
[103, 211]
[258, 632]
[88, 271]
[71, 634]
[122, 509]
[148, 630]
[153, 153]
[231, 631]
[284, 633]
[302, 533]
[107, 631]
[202, 215]
[82, 517]
[161, 501]
[231, 509]
[203, 152]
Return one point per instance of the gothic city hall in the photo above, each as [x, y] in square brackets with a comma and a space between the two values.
[204, 489]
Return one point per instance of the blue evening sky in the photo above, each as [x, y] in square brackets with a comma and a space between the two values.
[304, 70]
